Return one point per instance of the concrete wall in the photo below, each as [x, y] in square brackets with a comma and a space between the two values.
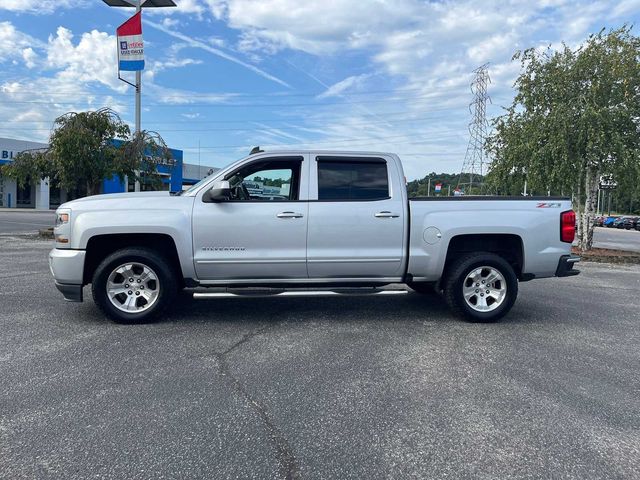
[8, 192]
[9, 149]
[194, 173]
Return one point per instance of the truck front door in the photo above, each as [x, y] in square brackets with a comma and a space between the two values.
[260, 231]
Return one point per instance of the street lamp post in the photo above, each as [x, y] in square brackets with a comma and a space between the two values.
[139, 5]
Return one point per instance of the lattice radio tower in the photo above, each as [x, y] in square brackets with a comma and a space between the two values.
[475, 159]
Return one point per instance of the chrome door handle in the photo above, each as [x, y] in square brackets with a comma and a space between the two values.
[386, 214]
[289, 215]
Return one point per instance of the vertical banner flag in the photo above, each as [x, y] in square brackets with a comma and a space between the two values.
[130, 46]
[438, 187]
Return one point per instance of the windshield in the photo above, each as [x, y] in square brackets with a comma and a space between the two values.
[195, 186]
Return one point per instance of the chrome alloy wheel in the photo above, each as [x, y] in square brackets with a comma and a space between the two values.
[484, 289]
[133, 287]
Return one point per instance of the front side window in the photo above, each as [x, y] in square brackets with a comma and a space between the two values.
[345, 179]
[264, 181]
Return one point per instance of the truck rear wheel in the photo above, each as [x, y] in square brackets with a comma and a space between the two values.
[481, 287]
[133, 285]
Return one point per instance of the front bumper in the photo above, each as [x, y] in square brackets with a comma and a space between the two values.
[67, 268]
[566, 264]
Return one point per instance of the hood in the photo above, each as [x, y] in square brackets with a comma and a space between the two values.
[115, 196]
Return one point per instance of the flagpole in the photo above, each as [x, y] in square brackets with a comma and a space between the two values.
[138, 85]
[138, 97]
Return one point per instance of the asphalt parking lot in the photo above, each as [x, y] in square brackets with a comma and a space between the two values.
[616, 239]
[320, 387]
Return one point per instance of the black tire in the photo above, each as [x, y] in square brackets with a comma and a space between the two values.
[456, 275]
[424, 288]
[167, 284]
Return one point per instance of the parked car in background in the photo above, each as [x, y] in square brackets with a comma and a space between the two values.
[599, 220]
[625, 222]
[630, 222]
[618, 222]
[609, 221]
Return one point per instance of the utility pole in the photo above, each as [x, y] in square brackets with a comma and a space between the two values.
[429, 187]
[473, 167]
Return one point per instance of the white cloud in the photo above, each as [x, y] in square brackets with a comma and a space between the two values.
[30, 57]
[153, 67]
[41, 7]
[189, 8]
[342, 86]
[13, 42]
[169, 22]
[92, 59]
[626, 7]
[495, 46]
[316, 27]
[194, 42]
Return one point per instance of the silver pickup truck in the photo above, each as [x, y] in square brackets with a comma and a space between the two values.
[310, 223]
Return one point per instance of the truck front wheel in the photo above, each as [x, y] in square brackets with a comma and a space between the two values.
[481, 287]
[133, 285]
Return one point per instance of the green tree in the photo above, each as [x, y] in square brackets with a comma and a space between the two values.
[87, 147]
[576, 116]
[29, 165]
[449, 181]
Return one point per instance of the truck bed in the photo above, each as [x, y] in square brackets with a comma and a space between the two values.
[529, 224]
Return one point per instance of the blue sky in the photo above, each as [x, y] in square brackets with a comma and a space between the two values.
[224, 75]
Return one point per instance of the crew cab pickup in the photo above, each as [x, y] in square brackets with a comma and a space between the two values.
[309, 223]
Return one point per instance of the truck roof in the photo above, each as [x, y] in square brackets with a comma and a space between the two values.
[324, 152]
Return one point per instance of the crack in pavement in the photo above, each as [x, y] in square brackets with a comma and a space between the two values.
[286, 459]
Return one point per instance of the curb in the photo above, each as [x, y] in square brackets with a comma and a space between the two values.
[619, 259]
[608, 255]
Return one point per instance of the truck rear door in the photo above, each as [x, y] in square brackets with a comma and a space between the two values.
[356, 218]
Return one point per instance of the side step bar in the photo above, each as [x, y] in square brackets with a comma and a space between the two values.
[299, 293]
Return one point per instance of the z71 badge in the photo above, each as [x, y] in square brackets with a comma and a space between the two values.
[548, 205]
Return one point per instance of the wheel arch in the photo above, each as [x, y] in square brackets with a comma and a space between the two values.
[101, 246]
[508, 246]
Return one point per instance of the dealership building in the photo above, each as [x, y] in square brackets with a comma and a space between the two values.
[41, 196]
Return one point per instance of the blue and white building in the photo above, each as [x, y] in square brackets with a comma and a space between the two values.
[41, 196]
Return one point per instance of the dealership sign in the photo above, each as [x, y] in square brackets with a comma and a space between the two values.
[607, 183]
[130, 45]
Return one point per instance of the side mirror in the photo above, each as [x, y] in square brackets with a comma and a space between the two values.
[218, 193]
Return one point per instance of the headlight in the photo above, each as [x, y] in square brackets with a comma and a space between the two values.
[61, 219]
[61, 232]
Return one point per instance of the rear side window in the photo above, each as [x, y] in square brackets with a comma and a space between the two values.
[347, 179]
